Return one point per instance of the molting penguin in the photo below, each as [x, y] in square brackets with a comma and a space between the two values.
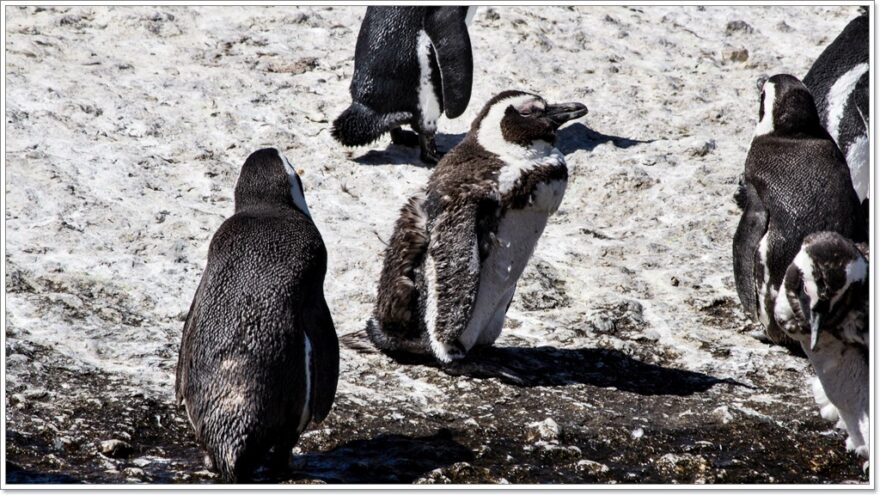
[459, 247]
[839, 81]
[259, 357]
[824, 306]
[411, 65]
[796, 182]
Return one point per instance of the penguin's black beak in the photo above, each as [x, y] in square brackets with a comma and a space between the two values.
[561, 113]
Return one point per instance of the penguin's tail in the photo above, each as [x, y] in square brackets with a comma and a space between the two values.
[359, 124]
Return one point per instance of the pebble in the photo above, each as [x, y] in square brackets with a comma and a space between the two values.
[738, 27]
[115, 448]
[547, 430]
[735, 54]
[594, 468]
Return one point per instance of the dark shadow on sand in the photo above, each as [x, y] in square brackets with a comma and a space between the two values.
[580, 137]
[383, 459]
[395, 154]
[19, 475]
[550, 367]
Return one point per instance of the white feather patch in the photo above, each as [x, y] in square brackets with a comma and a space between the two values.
[442, 351]
[429, 104]
[838, 96]
[296, 192]
[763, 313]
[858, 157]
[765, 125]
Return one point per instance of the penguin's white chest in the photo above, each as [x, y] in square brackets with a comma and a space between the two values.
[517, 235]
[429, 103]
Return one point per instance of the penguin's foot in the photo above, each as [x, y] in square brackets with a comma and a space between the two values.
[404, 138]
[429, 153]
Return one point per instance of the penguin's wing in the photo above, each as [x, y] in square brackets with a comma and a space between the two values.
[459, 238]
[752, 227]
[325, 360]
[447, 30]
[192, 319]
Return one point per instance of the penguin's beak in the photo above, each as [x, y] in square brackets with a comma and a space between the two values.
[815, 328]
[561, 113]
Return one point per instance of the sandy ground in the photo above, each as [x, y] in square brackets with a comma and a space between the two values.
[625, 357]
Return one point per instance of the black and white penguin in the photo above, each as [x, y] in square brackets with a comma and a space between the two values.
[823, 305]
[259, 357]
[459, 247]
[796, 182]
[411, 65]
[839, 81]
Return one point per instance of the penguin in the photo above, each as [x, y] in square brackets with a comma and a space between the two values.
[796, 182]
[824, 306]
[259, 356]
[460, 245]
[411, 65]
[840, 83]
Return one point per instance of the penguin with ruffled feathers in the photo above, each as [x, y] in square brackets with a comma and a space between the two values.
[411, 65]
[823, 304]
[259, 356]
[796, 182]
[839, 81]
[460, 246]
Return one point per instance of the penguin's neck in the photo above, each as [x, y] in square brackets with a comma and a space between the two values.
[517, 158]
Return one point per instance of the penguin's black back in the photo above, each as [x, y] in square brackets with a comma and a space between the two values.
[850, 48]
[803, 184]
[386, 64]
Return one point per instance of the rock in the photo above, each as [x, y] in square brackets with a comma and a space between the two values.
[784, 27]
[65, 444]
[135, 472]
[35, 394]
[722, 415]
[301, 66]
[589, 467]
[115, 448]
[546, 430]
[735, 54]
[738, 27]
[682, 466]
[703, 148]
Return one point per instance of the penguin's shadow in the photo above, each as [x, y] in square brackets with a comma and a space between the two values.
[550, 366]
[580, 137]
[17, 474]
[383, 459]
[395, 154]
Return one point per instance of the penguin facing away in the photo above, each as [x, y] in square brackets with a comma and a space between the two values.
[411, 65]
[796, 182]
[459, 246]
[840, 83]
[824, 306]
[259, 357]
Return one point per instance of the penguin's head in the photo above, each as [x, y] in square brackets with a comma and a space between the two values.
[522, 119]
[786, 108]
[824, 281]
[268, 178]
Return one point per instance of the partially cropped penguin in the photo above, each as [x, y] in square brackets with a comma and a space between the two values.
[840, 82]
[823, 305]
[460, 246]
[259, 357]
[796, 182]
[411, 65]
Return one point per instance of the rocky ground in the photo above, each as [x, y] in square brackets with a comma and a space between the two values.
[625, 357]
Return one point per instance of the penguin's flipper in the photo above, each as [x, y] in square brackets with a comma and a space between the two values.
[189, 326]
[325, 360]
[752, 227]
[447, 29]
[452, 273]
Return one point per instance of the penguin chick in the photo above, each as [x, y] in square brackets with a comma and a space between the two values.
[460, 246]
